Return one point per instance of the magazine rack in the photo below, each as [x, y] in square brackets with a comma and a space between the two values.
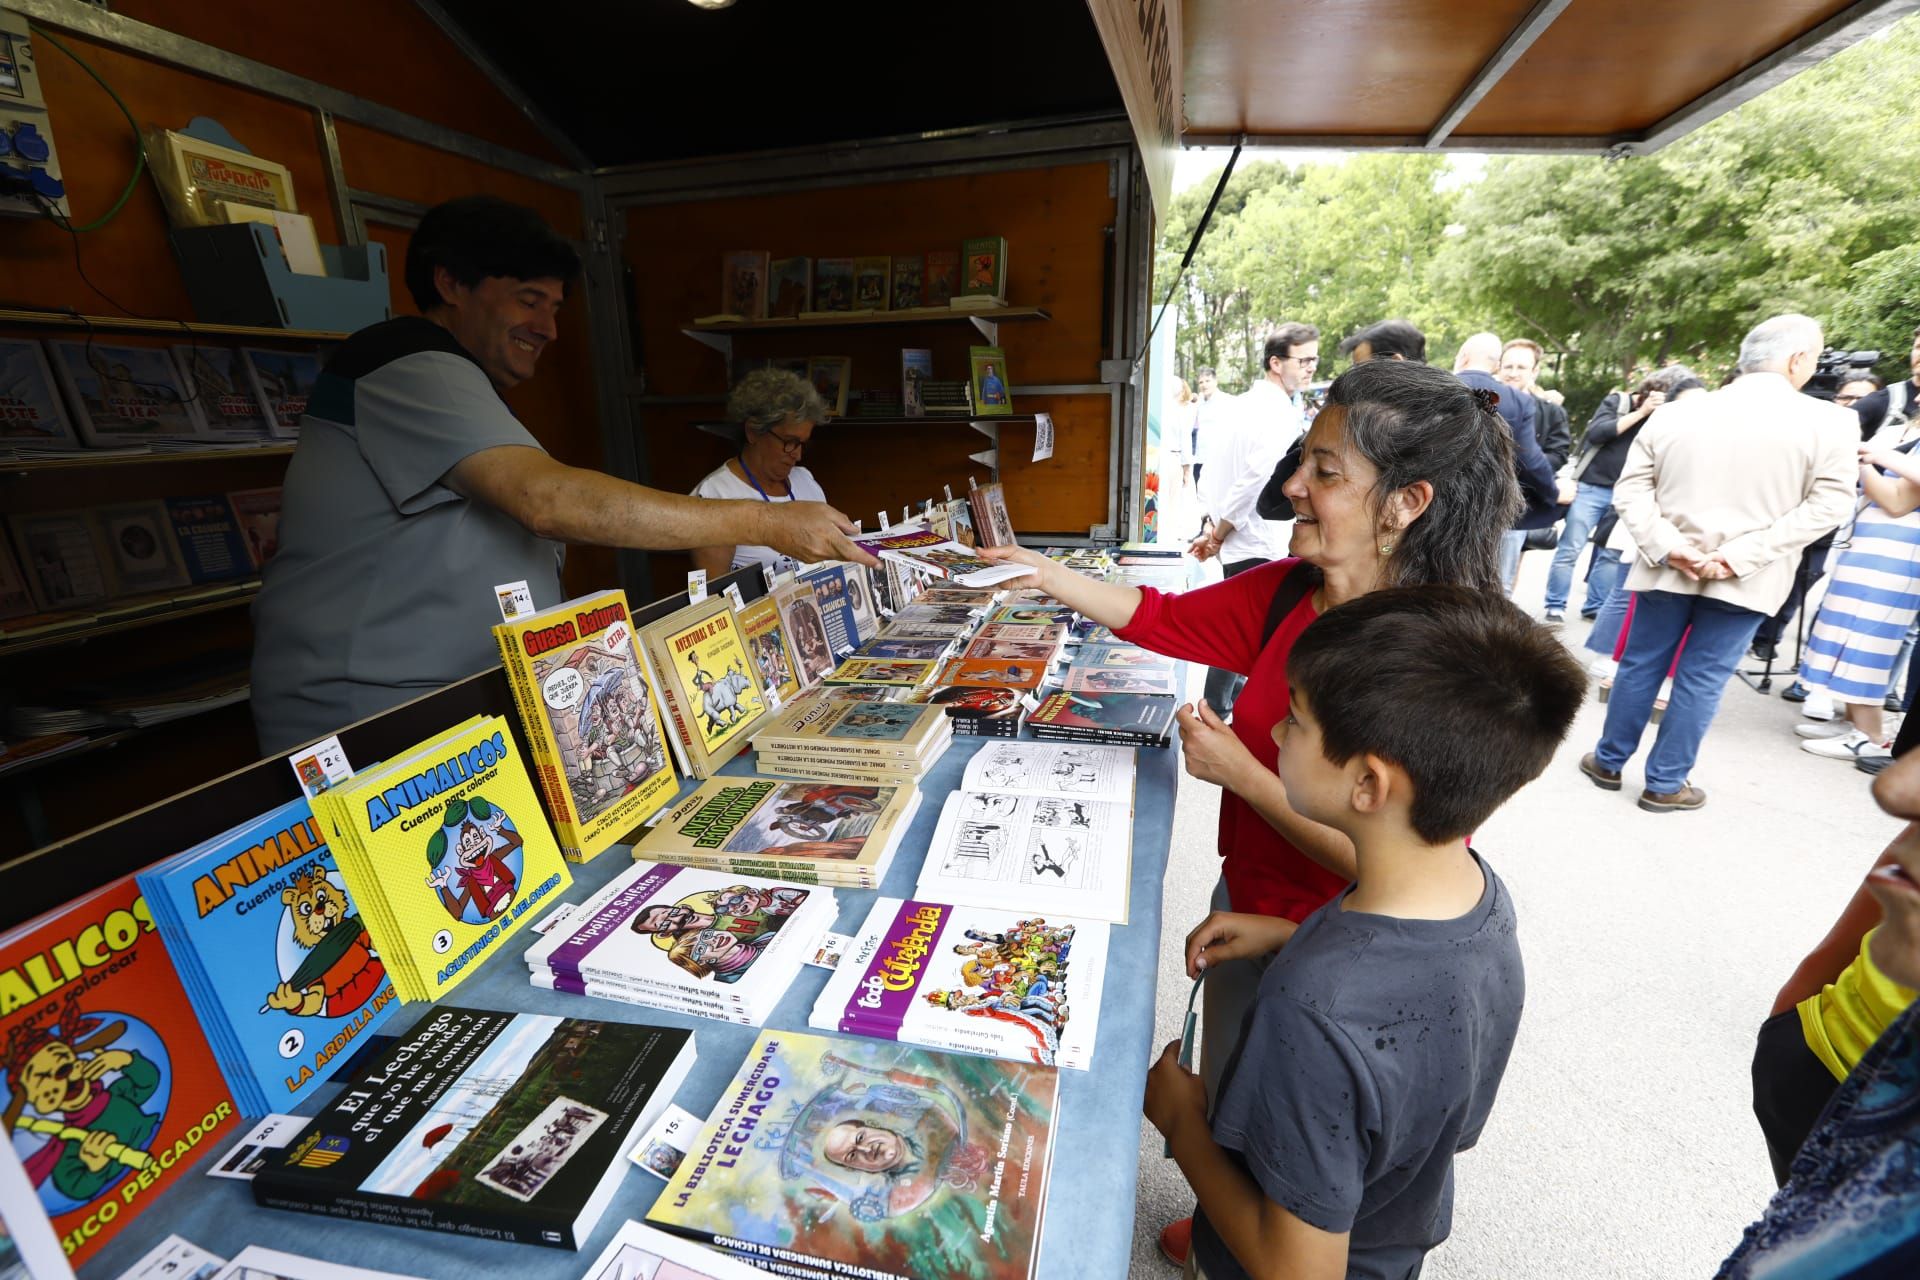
[237, 275]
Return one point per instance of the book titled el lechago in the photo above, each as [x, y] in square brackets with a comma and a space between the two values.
[592, 717]
[446, 851]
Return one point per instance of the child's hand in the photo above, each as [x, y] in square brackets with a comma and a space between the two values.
[1230, 935]
[1175, 1095]
[1209, 748]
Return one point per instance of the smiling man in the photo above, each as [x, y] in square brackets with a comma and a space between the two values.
[415, 491]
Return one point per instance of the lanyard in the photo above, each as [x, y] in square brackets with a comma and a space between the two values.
[748, 472]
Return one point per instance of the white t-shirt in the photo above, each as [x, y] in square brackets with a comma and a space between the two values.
[722, 483]
[1264, 424]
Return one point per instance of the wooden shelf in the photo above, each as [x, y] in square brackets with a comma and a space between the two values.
[212, 453]
[87, 626]
[988, 426]
[108, 738]
[719, 334]
[10, 317]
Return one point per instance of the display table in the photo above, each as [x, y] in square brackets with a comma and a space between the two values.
[1089, 1216]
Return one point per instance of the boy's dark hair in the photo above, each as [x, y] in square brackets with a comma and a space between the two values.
[475, 237]
[1456, 686]
[1387, 339]
[1282, 341]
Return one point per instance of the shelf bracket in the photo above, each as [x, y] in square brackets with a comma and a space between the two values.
[991, 430]
[987, 458]
[721, 342]
[989, 329]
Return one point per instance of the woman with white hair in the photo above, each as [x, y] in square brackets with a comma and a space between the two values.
[777, 412]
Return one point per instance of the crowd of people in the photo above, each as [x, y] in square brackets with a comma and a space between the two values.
[1374, 696]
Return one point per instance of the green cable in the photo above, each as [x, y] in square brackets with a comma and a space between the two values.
[139, 146]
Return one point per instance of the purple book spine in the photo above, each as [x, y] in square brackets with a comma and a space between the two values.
[581, 941]
[884, 995]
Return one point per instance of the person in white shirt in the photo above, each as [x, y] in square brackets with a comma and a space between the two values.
[777, 412]
[1212, 407]
[1266, 422]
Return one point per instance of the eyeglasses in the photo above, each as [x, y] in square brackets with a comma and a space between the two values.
[788, 443]
[1305, 362]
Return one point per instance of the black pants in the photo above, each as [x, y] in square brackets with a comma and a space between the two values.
[1790, 1088]
[1804, 577]
[1222, 689]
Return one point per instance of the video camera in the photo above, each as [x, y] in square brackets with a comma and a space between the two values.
[1836, 369]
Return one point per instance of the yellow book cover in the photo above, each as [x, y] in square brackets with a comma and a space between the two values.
[907, 672]
[592, 717]
[765, 634]
[700, 663]
[453, 850]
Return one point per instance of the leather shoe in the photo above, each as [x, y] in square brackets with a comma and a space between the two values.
[1687, 797]
[1604, 778]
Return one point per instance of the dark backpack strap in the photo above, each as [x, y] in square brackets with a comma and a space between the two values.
[1295, 587]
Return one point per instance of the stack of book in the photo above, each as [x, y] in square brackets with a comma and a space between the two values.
[708, 943]
[277, 963]
[1129, 719]
[814, 832]
[1008, 984]
[891, 743]
[931, 555]
[981, 711]
[446, 853]
[1120, 668]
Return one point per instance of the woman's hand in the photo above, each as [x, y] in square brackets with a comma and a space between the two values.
[1884, 459]
[1033, 560]
[1232, 935]
[1211, 751]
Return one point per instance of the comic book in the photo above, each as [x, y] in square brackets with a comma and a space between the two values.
[806, 832]
[31, 415]
[284, 381]
[109, 1088]
[61, 558]
[218, 381]
[806, 629]
[909, 271]
[991, 383]
[863, 772]
[141, 552]
[257, 512]
[711, 687]
[765, 635]
[790, 286]
[950, 617]
[743, 283]
[850, 729]
[829, 584]
[1074, 770]
[992, 525]
[833, 284]
[872, 277]
[983, 711]
[861, 603]
[929, 553]
[916, 366]
[210, 541]
[511, 1126]
[908, 672]
[123, 394]
[278, 963]
[1132, 719]
[592, 718]
[926, 648]
[983, 263]
[1000, 641]
[446, 852]
[1000, 673]
[1081, 678]
[693, 939]
[943, 277]
[1003, 983]
[872, 1159]
[1029, 614]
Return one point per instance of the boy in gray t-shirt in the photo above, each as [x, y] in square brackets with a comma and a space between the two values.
[1383, 1025]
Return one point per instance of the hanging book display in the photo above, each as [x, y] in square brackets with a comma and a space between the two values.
[219, 380]
[123, 394]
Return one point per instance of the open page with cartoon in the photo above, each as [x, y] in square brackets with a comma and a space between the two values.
[1032, 852]
[1083, 771]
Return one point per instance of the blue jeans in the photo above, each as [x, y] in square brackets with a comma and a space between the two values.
[1612, 615]
[1513, 543]
[1721, 633]
[1590, 506]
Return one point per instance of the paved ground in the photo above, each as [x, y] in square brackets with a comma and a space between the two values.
[1622, 1145]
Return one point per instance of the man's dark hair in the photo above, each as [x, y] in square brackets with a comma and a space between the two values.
[1863, 375]
[1456, 686]
[1282, 341]
[1389, 338]
[475, 237]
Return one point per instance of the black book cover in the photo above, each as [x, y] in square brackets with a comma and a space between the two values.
[510, 1126]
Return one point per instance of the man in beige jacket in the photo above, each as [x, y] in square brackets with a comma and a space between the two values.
[1720, 493]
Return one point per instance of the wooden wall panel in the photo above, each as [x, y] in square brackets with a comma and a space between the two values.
[385, 51]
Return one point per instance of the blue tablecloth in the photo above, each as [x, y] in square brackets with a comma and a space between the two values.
[1089, 1218]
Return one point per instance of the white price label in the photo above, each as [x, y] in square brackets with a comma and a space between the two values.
[515, 600]
[697, 586]
[322, 765]
[1042, 436]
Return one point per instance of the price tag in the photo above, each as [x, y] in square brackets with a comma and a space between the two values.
[1042, 436]
[697, 586]
[766, 574]
[948, 490]
[322, 765]
[666, 1144]
[732, 592]
[515, 600]
[885, 524]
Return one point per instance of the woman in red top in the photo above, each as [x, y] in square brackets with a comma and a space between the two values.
[1406, 478]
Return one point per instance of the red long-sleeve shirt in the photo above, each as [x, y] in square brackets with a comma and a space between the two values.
[1220, 625]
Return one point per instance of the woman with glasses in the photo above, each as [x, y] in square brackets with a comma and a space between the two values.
[777, 412]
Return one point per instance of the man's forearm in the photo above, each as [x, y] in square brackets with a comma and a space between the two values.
[592, 508]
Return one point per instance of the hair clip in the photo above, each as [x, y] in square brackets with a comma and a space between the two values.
[1489, 400]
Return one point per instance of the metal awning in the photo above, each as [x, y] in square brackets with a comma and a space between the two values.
[1620, 76]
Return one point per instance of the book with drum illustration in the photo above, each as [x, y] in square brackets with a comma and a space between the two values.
[698, 656]
[592, 717]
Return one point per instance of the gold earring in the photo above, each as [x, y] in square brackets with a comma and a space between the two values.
[1386, 548]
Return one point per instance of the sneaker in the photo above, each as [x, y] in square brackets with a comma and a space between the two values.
[1795, 692]
[1873, 764]
[1603, 666]
[1818, 706]
[1588, 615]
[1604, 778]
[1764, 650]
[1852, 745]
[1687, 797]
[1554, 617]
[1893, 703]
[1823, 728]
[1176, 1239]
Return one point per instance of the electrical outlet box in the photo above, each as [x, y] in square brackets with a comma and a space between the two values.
[30, 181]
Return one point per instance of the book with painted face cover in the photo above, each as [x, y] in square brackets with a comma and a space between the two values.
[109, 1090]
[803, 832]
[1005, 983]
[275, 956]
[592, 717]
[866, 1156]
[514, 1126]
[712, 689]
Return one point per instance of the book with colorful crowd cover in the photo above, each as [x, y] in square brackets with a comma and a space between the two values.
[123, 394]
[277, 962]
[31, 415]
[766, 639]
[716, 944]
[109, 1091]
[210, 540]
[218, 380]
[446, 852]
[806, 832]
[874, 1159]
[1130, 719]
[939, 557]
[806, 629]
[592, 717]
[999, 982]
[513, 1126]
[700, 665]
[284, 381]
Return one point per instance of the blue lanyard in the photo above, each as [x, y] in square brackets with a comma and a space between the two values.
[748, 473]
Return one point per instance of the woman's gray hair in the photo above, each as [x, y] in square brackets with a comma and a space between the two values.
[766, 398]
[1414, 422]
[1771, 343]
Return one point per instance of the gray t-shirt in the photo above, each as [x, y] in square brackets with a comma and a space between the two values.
[1371, 1054]
[382, 588]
